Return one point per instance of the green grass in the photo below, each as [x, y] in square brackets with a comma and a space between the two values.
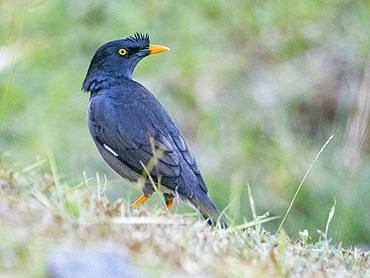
[38, 214]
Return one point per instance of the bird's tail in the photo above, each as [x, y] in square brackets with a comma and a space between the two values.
[210, 212]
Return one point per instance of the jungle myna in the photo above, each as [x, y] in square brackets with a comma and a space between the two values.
[130, 127]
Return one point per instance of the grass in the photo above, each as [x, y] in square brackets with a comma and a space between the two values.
[300, 185]
[40, 214]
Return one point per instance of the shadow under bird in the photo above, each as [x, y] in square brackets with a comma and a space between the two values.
[129, 127]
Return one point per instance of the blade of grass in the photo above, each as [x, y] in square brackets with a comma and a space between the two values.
[33, 166]
[6, 96]
[256, 221]
[153, 183]
[325, 235]
[53, 167]
[54, 172]
[16, 29]
[300, 185]
[331, 214]
[253, 208]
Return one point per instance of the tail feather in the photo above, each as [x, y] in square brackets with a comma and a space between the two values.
[209, 211]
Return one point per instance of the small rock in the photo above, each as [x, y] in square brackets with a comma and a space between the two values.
[89, 262]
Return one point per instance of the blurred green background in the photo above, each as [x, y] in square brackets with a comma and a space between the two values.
[256, 87]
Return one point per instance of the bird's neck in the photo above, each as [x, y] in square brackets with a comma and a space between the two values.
[98, 81]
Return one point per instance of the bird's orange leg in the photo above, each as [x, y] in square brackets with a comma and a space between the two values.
[169, 204]
[139, 201]
[169, 200]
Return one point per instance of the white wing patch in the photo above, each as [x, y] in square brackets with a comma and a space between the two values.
[110, 150]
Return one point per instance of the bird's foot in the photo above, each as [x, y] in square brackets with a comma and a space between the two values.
[169, 200]
[169, 204]
[139, 201]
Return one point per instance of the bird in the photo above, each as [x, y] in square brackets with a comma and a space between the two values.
[135, 135]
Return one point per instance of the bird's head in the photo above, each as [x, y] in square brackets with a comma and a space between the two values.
[119, 58]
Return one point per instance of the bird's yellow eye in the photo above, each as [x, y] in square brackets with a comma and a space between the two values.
[122, 51]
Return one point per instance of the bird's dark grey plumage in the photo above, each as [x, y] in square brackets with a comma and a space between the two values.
[126, 122]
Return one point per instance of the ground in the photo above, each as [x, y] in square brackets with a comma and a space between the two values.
[41, 217]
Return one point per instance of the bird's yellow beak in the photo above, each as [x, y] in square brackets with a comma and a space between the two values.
[153, 49]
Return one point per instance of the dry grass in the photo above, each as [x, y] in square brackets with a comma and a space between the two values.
[39, 214]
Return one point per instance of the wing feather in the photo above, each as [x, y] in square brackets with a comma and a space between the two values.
[142, 135]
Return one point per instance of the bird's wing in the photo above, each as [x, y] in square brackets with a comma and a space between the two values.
[189, 158]
[132, 137]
